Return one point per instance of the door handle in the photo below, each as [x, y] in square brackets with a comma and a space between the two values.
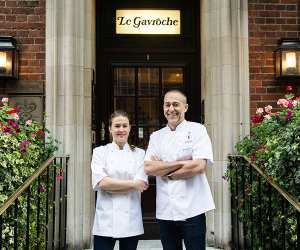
[102, 132]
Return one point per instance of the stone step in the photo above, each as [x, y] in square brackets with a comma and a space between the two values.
[152, 245]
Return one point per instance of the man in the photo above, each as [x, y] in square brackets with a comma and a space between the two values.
[177, 155]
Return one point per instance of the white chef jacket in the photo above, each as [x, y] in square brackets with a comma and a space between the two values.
[182, 199]
[117, 215]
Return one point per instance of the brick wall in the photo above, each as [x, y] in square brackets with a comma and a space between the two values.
[25, 20]
[269, 21]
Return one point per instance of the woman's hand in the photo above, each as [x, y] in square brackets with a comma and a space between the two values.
[140, 185]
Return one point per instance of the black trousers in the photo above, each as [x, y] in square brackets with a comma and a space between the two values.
[108, 243]
[192, 231]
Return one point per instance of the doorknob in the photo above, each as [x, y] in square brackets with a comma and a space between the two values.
[102, 132]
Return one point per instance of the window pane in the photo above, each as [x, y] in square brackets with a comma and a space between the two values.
[172, 78]
[124, 81]
[148, 81]
[148, 111]
[126, 104]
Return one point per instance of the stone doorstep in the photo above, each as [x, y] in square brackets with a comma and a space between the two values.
[152, 245]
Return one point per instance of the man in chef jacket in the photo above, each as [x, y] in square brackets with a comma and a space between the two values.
[178, 155]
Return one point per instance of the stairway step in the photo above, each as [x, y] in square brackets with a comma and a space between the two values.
[152, 245]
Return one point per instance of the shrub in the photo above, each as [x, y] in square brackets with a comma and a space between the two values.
[274, 143]
[24, 145]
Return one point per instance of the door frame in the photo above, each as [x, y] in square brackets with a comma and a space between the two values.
[103, 96]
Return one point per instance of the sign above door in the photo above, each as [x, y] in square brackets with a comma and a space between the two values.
[148, 22]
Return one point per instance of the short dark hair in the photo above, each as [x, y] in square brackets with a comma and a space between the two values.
[176, 91]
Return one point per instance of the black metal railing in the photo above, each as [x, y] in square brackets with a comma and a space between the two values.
[34, 217]
[264, 216]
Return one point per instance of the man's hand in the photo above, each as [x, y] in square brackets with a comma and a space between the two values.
[156, 167]
[140, 185]
[189, 169]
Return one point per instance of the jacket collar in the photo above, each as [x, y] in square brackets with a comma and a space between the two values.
[179, 127]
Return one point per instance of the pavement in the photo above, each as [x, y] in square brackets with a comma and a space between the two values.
[153, 245]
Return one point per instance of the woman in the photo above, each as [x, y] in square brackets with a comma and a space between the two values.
[118, 176]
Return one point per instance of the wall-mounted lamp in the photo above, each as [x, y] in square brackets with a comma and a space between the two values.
[287, 59]
[8, 57]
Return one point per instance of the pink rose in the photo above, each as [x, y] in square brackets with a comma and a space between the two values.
[4, 100]
[16, 116]
[268, 108]
[259, 111]
[28, 122]
[283, 103]
[268, 117]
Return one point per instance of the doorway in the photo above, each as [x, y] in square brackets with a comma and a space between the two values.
[139, 88]
[135, 70]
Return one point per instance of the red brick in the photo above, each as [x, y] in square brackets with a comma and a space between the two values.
[40, 55]
[35, 33]
[281, 20]
[290, 27]
[275, 7]
[39, 40]
[21, 18]
[288, 14]
[256, 6]
[291, 21]
[267, 70]
[11, 3]
[270, 27]
[5, 10]
[10, 18]
[270, 20]
[291, 7]
[26, 11]
[255, 83]
[292, 34]
[260, 90]
[273, 90]
[260, 20]
[39, 11]
[26, 40]
[269, 13]
[289, 1]
[254, 70]
[271, 97]
[33, 18]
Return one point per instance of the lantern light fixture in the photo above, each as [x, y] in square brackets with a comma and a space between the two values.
[287, 61]
[8, 57]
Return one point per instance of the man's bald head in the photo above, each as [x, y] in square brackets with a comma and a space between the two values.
[179, 93]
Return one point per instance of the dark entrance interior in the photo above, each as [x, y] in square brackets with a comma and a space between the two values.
[134, 71]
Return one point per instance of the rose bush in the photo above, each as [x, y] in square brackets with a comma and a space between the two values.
[24, 145]
[274, 143]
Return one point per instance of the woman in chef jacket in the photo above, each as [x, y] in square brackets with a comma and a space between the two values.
[118, 177]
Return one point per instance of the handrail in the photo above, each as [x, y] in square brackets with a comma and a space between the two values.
[25, 185]
[282, 191]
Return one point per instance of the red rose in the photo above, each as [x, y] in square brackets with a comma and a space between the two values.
[257, 119]
[12, 111]
[289, 88]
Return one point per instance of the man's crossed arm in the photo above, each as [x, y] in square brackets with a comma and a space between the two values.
[181, 169]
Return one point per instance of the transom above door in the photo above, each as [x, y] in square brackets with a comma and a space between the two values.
[139, 91]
